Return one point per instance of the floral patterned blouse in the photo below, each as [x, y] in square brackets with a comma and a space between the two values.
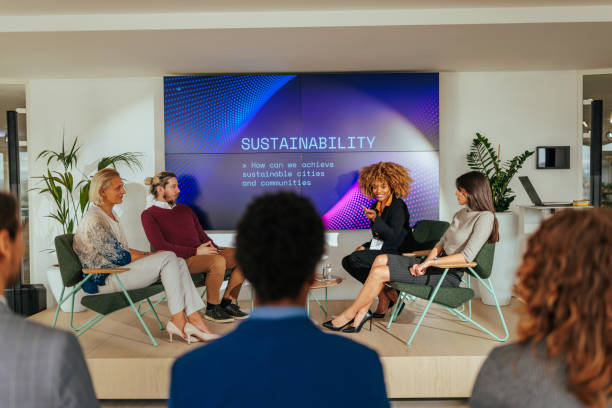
[100, 242]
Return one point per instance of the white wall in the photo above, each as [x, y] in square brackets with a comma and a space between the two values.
[519, 110]
[109, 116]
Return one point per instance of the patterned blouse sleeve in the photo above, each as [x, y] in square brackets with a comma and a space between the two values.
[106, 243]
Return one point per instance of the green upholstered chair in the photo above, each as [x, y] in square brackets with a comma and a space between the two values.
[427, 233]
[72, 275]
[452, 299]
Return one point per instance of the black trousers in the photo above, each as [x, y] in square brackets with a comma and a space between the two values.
[359, 263]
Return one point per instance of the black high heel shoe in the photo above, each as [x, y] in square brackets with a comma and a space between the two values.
[329, 325]
[391, 303]
[353, 329]
[382, 315]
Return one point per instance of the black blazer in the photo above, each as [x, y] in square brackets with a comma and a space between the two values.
[393, 227]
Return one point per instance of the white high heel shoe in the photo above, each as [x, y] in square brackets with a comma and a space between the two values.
[191, 330]
[172, 329]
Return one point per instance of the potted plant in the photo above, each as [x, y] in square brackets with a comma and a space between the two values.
[482, 157]
[68, 188]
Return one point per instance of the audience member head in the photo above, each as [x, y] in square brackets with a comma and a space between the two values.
[106, 187]
[565, 280]
[11, 243]
[385, 177]
[279, 242]
[164, 186]
[473, 190]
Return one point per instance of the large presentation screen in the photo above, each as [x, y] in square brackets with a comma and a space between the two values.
[230, 138]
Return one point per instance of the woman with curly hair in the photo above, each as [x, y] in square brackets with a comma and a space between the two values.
[563, 357]
[471, 227]
[388, 183]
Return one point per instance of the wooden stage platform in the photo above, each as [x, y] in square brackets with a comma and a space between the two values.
[442, 362]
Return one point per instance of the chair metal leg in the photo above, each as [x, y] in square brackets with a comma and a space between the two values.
[59, 303]
[431, 299]
[488, 286]
[469, 301]
[400, 299]
[89, 324]
[129, 299]
[161, 326]
[62, 299]
[313, 297]
[326, 305]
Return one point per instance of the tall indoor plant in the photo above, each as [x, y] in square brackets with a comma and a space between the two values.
[482, 157]
[69, 196]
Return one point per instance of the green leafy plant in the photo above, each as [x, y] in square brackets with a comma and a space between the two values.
[70, 198]
[482, 157]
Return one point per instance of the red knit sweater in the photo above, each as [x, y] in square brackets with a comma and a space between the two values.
[177, 230]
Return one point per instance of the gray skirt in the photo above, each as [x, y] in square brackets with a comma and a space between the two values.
[399, 271]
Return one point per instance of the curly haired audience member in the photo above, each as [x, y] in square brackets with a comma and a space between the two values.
[284, 359]
[563, 357]
[388, 183]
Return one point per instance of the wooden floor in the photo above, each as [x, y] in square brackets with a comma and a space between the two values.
[442, 362]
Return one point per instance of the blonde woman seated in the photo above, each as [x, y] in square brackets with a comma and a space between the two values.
[100, 242]
[563, 354]
[471, 227]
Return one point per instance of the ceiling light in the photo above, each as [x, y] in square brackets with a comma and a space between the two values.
[609, 135]
[585, 124]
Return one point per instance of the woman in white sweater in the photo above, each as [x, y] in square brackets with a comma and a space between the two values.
[471, 227]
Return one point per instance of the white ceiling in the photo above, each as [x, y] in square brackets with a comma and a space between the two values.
[41, 7]
[509, 47]
[531, 35]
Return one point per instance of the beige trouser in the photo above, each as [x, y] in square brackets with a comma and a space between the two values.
[214, 266]
[174, 275]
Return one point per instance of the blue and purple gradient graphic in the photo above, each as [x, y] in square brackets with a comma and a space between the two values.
[233, 137]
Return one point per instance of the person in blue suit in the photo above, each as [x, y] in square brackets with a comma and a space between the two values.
[284, 359]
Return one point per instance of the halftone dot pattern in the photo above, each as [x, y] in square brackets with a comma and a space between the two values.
[203, 114]
[348, 212]
[426, 119]
[422, 202]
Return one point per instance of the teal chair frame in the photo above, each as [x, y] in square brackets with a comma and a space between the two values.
[72, 272]
[476, 269]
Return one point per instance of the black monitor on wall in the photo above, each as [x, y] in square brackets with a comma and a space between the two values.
[553, 157]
